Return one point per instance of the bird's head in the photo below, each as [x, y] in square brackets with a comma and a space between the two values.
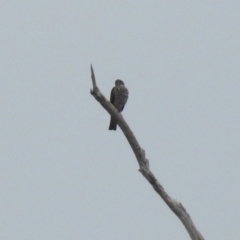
[119, 82]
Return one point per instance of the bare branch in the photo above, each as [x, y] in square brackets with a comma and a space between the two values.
[143, 162]
[95, 88]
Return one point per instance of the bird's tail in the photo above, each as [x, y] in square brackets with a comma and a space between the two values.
[113, 124]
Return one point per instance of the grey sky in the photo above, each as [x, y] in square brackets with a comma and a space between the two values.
[63, 175]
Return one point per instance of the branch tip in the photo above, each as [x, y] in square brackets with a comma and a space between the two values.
[93, 79]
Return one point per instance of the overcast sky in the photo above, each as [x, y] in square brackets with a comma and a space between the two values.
[63, 175]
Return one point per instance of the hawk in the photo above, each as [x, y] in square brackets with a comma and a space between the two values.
[119, 97]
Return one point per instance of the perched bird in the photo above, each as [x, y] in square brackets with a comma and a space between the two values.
[119, 97]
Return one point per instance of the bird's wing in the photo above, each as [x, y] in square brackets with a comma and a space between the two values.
[112, 96]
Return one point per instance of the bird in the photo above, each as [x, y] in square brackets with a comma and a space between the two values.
[118, 97]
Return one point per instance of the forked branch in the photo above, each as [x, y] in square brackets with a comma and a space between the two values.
[143, 162]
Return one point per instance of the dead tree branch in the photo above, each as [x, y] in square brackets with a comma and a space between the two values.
[143, 162]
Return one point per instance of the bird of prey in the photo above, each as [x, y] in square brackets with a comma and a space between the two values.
[119, 97]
